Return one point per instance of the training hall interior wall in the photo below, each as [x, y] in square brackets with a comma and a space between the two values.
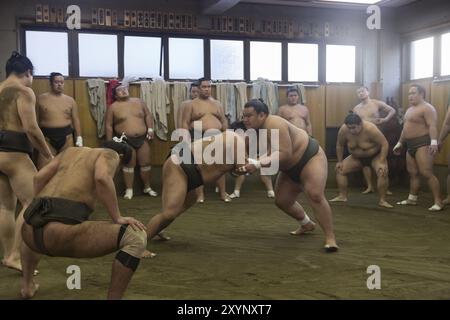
[379, 56]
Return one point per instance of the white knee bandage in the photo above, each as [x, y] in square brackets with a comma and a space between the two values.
[305, 220]
[146, 168]
[128, 170]
[132, 245]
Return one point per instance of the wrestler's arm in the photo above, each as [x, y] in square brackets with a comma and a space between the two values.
[26, 102]
[380, 140]
[105, 168]
[148, 118]
[284, 151]
[340, 143]
[223, 119]
[185, 121]
[308, 123]
[386, 108]
[109, 122]
[43, 176]
[76, 118]
[430, 116]
[186, 116]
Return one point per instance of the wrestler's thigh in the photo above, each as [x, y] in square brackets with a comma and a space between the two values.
[21, 178]
[89, 239]
[411, 164]
[174, 188]
[351, 164]
[143, 154]
[132, 162]
[286, 190]
[7, 198]
[314, 175]
[424, 160]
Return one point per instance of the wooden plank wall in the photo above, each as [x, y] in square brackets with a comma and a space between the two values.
[437, 93]
[328, 107]
[339, 100]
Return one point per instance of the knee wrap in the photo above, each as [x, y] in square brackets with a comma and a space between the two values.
[128, 170]
[146, 168]
[132, 245]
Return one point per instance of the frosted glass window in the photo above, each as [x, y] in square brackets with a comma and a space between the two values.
[48, 51]
[227, 60]
[265, 60]
[98, 55]
[186, 58]
[142, 56]
[341, 63]
[303, 62]
[445, 55]
[422, 58]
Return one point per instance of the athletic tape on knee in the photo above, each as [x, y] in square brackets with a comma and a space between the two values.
[128, 170]
[305, 220]
[146, 168]
[127, 261]
[132, 245]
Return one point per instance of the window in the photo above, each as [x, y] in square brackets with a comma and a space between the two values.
[265, 60]
[445, 54]
[340, 63]
[48, 51]
[227, 60]
[98, 55]
[142, 56]
[185, 58]
[422, 58]
[303, 62]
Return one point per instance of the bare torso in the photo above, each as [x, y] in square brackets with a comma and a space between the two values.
[369, 111]
[208, 112]
[415, 124]
[74, 179]
[55, 111]
[297, 138]
[297, 115]
[9, 116]
[129, 117]
[363, 144]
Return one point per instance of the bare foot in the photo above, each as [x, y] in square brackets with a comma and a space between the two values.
[368, 190]
[16, 265]
[147, 255]
[310, 226]
[329, 248]
[200, 200]
[389, 193]
[407, 202]
[339, 199]
[162, 236]
[28, 293]
[225, 198]
[385, 204]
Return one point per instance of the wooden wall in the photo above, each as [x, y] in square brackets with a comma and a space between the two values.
[437, 93]
[328, 106]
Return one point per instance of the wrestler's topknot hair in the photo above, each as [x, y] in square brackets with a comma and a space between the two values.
[352, 119]
[121, 148]
[18, 64]
[259, 106]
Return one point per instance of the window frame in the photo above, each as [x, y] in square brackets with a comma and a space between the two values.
[358, 63]
[74, 54]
